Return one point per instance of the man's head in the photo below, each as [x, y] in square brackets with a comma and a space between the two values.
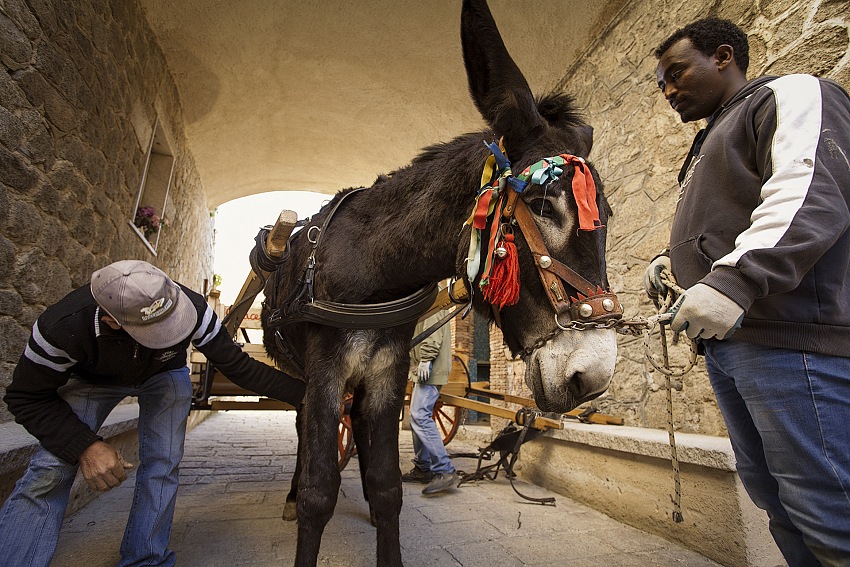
[145, 302]
[701, 65]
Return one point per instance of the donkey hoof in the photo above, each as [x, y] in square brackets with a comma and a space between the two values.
[373, 519]
[289, 512]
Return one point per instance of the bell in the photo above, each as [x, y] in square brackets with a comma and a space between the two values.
[585, 310]
[608, 304]
[501, 252]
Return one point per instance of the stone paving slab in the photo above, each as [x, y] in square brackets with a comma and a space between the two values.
[236, 474]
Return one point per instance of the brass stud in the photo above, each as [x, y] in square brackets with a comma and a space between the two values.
[545, 262]
[608, 304]
[585, 310]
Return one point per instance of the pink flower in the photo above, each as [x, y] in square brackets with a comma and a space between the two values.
[148, 221]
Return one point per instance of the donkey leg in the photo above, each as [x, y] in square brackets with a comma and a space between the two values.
[361, 433]
[318, 486]
[289, 508]
[383, 480]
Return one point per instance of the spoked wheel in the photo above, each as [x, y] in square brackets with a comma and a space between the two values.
[345, 439]
[447, 419]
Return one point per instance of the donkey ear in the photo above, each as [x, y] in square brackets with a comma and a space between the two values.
[585, 136]
[496, 84]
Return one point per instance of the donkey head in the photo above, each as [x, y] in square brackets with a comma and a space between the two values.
[563, 369]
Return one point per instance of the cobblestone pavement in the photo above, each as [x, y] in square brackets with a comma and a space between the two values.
[235, 475]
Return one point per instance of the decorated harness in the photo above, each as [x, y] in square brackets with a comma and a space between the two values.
[498, 206]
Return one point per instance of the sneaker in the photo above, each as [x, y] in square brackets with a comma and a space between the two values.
[417, 475]
[441, 482]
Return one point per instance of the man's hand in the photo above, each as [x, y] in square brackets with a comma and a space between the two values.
[423, 372]
[652, 278]
[704, 312]
[103, 467]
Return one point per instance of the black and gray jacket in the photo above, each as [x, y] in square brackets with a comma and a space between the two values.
[763, 212]
[70, 339]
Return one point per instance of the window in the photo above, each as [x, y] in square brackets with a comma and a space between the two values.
[150, 218]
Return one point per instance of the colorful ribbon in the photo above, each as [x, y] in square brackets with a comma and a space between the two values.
[491, 199]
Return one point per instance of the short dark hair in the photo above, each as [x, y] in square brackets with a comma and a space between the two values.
[707, 35]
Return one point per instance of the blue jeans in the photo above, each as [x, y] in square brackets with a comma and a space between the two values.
[32, 516]
[788, 416]
[429, 451]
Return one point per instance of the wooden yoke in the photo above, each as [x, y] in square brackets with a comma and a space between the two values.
[458, 293]
[275, 247]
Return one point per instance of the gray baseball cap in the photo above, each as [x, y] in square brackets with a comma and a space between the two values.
[145, 302]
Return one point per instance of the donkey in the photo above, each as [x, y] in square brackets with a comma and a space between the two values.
[407, 231]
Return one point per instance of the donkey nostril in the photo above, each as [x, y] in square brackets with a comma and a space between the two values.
[582, 389]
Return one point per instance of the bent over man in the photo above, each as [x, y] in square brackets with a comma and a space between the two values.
[761, 242]
[126, 334]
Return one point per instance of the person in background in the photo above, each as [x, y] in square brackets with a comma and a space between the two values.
[125, 334]
[431, 362]
[760, 242]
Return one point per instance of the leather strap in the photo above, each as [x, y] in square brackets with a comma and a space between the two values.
[553, 274]
[357, 316]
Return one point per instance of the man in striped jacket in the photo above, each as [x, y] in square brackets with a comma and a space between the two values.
[126, 334]
[760, 242]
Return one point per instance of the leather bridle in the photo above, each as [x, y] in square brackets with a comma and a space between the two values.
[590, 308]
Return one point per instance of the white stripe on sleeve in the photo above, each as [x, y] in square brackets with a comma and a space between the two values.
[47, 347]
[202, 336]
[795, 143]
[38, 359]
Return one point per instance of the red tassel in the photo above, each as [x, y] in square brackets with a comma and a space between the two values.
[503, 286]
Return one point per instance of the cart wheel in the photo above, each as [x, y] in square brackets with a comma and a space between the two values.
[447, 419]
[345, 439]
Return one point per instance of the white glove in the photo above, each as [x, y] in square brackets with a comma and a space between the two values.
[423, 372]
[652, 278]
[704, 312]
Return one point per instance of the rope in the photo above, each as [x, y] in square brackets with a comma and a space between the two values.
[671, 435]
[673, 291]
[640, 325]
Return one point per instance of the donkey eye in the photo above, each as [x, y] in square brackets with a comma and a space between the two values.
[541, 207]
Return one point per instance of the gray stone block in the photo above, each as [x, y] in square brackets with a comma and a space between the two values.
[15, 48]
[15, 173]
[10, 303]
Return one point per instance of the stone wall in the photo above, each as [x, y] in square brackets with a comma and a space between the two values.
[638, 149]
[82, 87]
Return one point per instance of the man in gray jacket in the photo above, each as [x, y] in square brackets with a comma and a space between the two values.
[760, 242]
[431, 363]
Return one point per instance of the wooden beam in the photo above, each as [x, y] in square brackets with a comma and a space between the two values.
[595, 417]
[275, 246]
[262, 404]
[540, 422]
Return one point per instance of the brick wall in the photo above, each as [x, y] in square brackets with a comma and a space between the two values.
[83, 84]
[638, 148]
